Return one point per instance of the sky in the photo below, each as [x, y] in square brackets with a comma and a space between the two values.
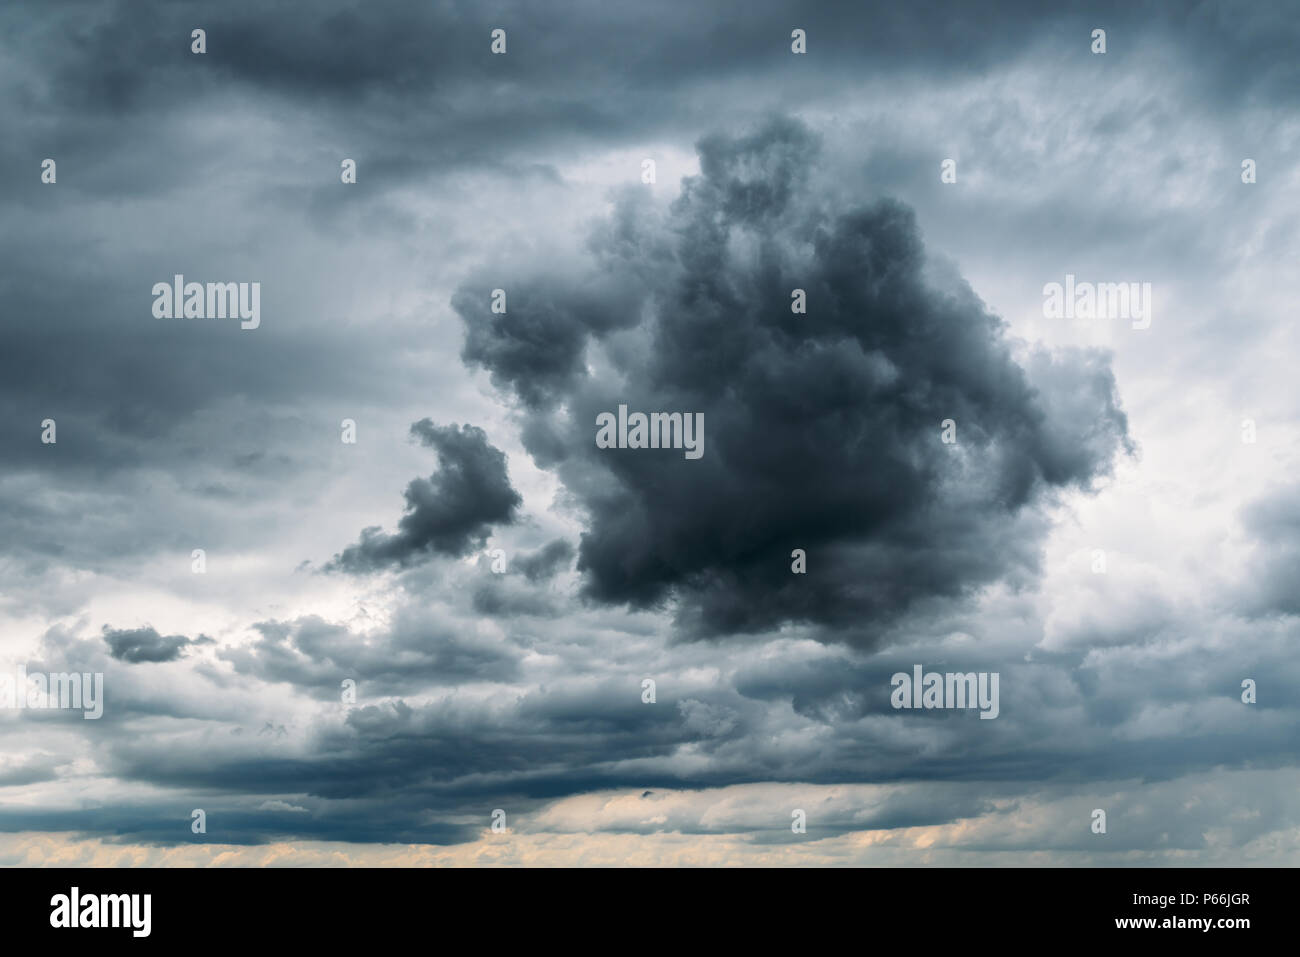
[426, 602]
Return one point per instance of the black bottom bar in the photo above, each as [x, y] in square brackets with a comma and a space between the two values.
[649, 907]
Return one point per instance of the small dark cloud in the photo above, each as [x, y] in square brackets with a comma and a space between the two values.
[449, 513]
[139, 645]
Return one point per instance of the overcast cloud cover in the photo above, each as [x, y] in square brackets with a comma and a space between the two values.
[520, 689]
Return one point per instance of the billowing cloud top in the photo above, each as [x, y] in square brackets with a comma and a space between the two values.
[822, 428]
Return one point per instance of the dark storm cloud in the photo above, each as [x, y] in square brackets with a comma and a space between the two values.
[138, 645]
[822, 431]
[448, 513]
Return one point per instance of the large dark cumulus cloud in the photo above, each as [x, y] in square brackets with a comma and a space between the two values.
[822, 431]
[450, 512]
